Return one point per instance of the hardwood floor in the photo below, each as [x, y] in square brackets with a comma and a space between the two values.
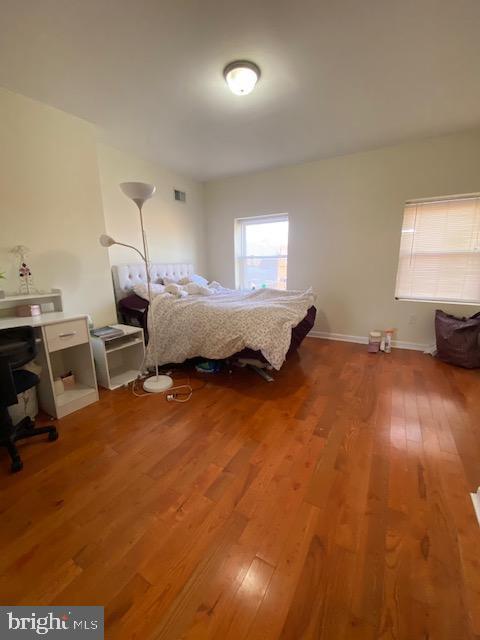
[332, 504]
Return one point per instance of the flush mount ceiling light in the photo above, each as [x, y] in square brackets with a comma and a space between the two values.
[241, 76]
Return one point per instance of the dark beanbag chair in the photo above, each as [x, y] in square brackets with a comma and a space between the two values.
[458, 339]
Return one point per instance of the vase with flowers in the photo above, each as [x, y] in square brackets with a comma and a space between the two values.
[24, 271]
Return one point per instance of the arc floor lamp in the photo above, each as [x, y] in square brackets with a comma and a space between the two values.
[139, 192]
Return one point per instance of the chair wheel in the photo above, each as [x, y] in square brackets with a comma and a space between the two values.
[17, 465]
[53, 435]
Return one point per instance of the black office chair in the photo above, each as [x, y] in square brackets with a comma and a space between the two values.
[17, 347]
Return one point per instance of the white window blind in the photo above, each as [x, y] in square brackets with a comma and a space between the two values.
[261, 252]
[440, 251]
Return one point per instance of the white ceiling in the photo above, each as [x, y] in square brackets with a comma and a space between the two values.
[337, 75]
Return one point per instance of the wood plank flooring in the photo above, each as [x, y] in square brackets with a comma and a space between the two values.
[332, 504]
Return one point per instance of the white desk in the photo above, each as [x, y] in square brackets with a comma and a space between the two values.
[40, 321]
[63, 345]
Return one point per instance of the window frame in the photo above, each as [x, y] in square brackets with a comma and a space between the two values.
[433, 200]
[240, 225]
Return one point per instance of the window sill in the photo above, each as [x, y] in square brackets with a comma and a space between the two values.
[440, 301]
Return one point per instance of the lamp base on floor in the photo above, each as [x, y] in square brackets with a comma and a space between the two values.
[157, 384]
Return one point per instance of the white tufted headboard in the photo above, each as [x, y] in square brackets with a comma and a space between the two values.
[126, 276]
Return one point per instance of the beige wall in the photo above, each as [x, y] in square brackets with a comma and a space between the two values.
[175, 230]
[345, 214]
[50, 201]
[345, 220]
[59, 192]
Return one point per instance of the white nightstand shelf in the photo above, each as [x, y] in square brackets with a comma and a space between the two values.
[119, 361]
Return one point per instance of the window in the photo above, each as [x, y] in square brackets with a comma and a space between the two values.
[440, 250]
[261, 252]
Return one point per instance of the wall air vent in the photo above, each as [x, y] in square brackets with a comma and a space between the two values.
[181, 196]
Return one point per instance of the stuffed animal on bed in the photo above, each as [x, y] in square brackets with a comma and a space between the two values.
[142, 290]
[176, 290]
[179, 288]
[194, 289]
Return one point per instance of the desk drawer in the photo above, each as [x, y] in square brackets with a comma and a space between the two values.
[66, 334]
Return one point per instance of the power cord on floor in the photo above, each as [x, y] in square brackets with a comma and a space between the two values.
[177, 397]
[178, 393]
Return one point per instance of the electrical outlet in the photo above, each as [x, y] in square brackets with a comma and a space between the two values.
[412, 319]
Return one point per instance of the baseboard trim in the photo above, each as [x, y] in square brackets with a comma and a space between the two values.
[343, 337]
[339, 337]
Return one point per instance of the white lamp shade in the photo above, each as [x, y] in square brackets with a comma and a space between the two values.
[241, 77]
[106, 241]
[138, 191]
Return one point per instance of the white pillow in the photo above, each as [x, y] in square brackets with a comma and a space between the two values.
[142, 290]
[199, 280]
[195, 277]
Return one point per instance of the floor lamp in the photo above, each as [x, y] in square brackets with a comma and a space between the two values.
[139, 192]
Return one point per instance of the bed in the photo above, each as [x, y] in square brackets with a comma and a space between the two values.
[284, 310]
